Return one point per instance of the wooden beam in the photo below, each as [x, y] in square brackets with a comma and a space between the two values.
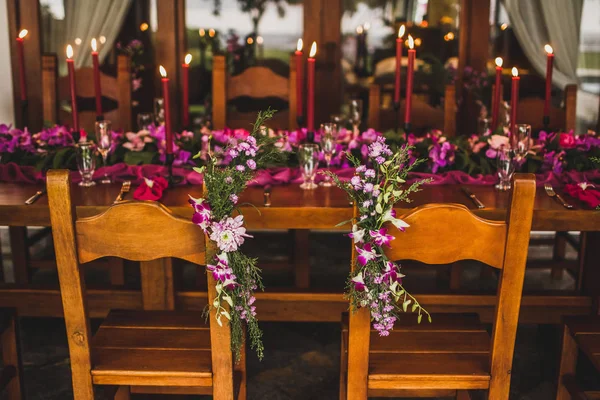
[50, 87]
[13, 26]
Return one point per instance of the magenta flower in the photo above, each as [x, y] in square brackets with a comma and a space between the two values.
[221, 271]
[366, 254]
[359, 282]
[391, 273]
[229, 233]
[202, 212]
[381, 237]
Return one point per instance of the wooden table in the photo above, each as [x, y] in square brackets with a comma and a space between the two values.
[321, 209]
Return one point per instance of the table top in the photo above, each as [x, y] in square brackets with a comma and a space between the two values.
[294, 208]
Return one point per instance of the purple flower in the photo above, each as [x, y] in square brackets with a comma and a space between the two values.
[391, 273]
[229, 233]
[251, 164]
[368, 187]
[221, 271]
[441, 155]
[359, 283]
[370, 173]
[228, 180]
[366, 254]
[233, 198]
[356, 182]
[381, 237]
[202, 212]
[240, 168]
[380, 160]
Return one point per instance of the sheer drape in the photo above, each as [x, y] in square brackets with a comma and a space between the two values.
[87, 19]
[557, 22]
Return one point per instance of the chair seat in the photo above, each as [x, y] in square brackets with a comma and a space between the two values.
[586, 331]
[453, 352]
[148, 348]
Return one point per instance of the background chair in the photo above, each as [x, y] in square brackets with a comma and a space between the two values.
[11, 376]
[116, 95]
[424, 116]
[237, 99]
[137, 350]
[453, 353]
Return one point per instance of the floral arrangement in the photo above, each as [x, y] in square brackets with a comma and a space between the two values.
[135, 50]
[376, 282]
[237, 275]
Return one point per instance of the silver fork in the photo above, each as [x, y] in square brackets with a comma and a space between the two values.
[550, 192]
[125, 187]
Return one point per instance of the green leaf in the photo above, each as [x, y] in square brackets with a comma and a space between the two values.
[139, 157]
[199, 170]
[378, 208]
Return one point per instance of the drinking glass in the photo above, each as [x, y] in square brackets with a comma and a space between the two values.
[355, 110]
[328, 145]
[86, 163]
[104, 139]
[505, 163]
[483, 125]
[338, 119]
[145, 121]
[308, 157]
[520, 140]
[159, 110]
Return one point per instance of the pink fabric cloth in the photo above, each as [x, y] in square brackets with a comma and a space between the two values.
[590, 196]
[151, 189]
[13, 173]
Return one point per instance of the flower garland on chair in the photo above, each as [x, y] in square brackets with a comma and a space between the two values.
[237, 275]
[376, 282]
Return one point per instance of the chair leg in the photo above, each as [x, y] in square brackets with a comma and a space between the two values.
[343, 368]
[116, 268]
[241, 368]
[123, 393]
[568, 362]
[463, 395]
[11, 356]
[455, 273]
[1, 262]
[19, 252]
[560, 247]
[300, 257]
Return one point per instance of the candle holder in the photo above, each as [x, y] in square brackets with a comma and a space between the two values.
[76, 135]
[407, 127]
[172, 180]
[546, 122]
[397, 110]
[310, 137]
[24, 113]
[300, 121]
[99, 118]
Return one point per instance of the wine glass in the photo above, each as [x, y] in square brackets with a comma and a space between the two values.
[86, 163]
[308, 157]
[505, 162]
[145, 121]
[328, 145]
[104, 139]
[520, 140]
[355, 111]
[159, 110]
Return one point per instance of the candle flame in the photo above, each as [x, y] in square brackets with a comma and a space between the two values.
[102, 39]
[163, 71]
[211, 32]
[549, 49]
[411, 42]
[94, 45]
[23, 33]
[499, 61]
[359, 29]
[188, 59]
[69, 51]
[202, 32]
[313, 50]
[366, 26]
[401, 31]
[299, 45]
[515, 71]
[259, 40]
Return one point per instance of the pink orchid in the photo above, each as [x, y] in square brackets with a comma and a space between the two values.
[359, 282]
[390, 216]
[381, 237]
[357, 235]
[366, 254]
[202, 212]
[496, 142]
[392, 273]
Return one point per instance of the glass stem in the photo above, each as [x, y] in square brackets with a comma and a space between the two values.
[104, 160]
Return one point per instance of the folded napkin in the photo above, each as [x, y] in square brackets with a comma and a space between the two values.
[151, 189]
[584, 192]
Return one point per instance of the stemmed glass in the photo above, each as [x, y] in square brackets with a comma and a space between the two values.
[520, 140]
[86, 163]
[328, 144]
[104, 139]
[308, 157]
[505, 162]
[355, 111]
[159, 110]
[145, 121]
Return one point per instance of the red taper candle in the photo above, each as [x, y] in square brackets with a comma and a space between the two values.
[549, 67]
[167, 105]
[299, 79]
[71, 69]
[412, 53]
[185, 67]
[497, 94]
[399, 43]
[310, 120]
[97, 87]
[21, 55]
[514, 99]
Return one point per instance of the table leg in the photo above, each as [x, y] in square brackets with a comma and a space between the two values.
[300, 257]
[559, 252]
[157, 284]
[591, 269]
[19, 253]
[1, 261]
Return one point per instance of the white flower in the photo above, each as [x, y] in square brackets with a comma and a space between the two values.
[357, 234]
[390, 216]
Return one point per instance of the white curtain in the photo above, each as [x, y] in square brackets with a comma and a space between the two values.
[87, 19]
[556, 22]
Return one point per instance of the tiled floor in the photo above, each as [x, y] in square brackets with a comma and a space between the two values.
[302, 359]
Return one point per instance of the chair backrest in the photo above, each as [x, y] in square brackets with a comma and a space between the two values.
[432, 239]
[254, 83]
[116, 89]
[423, 115]
[137, 231]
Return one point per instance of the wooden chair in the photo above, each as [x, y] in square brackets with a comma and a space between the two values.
[454, 353]
[11, 381]
[116, 89]
[138, 351]
[254, 83]
[423, 115]
[580, 333]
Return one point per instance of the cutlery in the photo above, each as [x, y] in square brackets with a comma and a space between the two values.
[124, 190]
[267, 195]
[36, 196]
[550, 192]
[472, 196]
